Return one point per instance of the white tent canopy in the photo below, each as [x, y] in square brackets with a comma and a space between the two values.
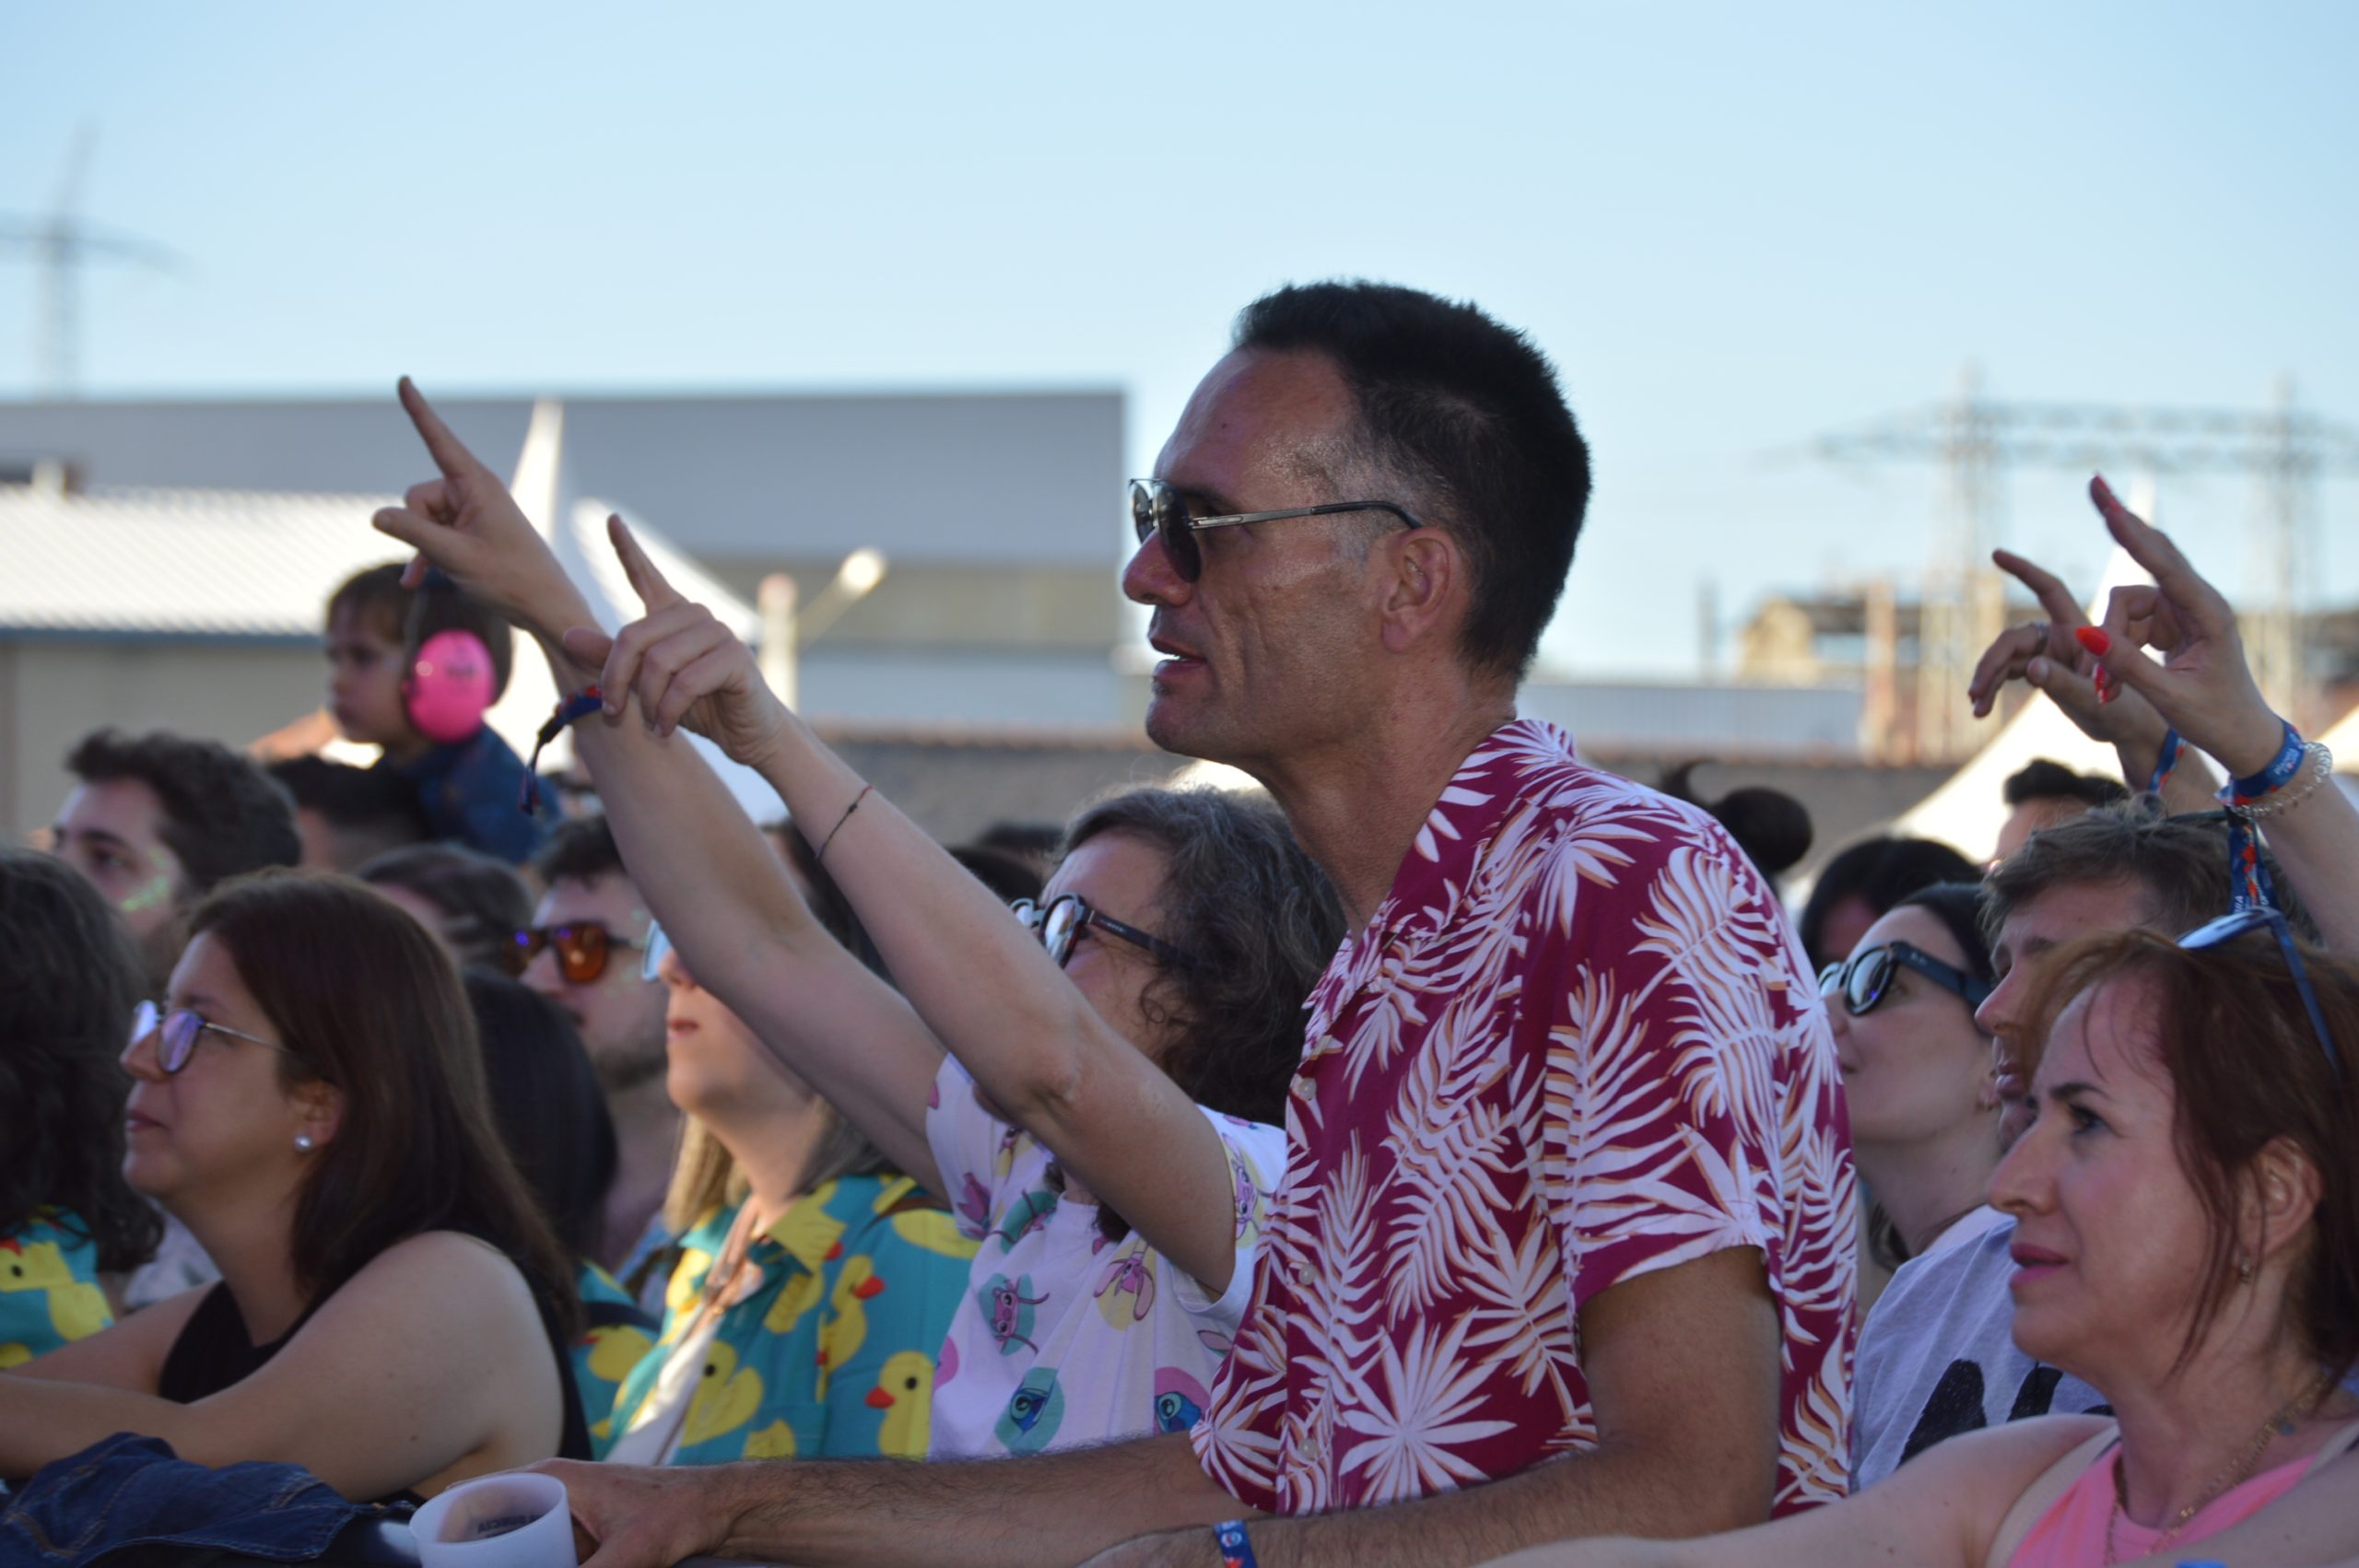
[576, 529]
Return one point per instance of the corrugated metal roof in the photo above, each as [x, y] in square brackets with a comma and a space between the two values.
[237, 563]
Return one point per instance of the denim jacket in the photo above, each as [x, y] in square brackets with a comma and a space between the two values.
[129, 1491]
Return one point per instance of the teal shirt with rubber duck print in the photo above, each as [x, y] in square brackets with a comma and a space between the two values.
[826, 1346]
[49, 1287]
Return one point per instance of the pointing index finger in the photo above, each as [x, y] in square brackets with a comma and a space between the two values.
[2148, 546]
[449, 453]
[652, 590]
[2046, 587]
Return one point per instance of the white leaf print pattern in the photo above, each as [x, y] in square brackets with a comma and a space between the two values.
[1420, 1415]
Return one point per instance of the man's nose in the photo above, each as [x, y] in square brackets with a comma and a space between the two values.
[1150, 578]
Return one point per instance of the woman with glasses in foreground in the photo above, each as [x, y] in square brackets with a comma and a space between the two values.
[1107, 1129]
[1918, 1072]
[393, 1313]
[2187, 1240]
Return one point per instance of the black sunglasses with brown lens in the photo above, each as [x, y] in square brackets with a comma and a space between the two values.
[582, 947]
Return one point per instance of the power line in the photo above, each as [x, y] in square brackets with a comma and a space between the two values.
[62, 243]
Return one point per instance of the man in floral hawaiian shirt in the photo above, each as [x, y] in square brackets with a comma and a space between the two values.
[1565, 1241]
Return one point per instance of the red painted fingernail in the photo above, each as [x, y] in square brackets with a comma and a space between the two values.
[2092, 639]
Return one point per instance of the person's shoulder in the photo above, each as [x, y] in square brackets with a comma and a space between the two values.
[442, 1265]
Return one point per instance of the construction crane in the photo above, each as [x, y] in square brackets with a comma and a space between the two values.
[62, 243]
[2286, 449]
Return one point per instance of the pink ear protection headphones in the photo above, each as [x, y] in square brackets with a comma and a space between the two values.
[448, 686]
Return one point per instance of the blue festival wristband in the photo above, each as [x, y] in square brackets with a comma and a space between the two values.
[2166, 763]
[1236, 1549]
[582, 704]
[2275, 777]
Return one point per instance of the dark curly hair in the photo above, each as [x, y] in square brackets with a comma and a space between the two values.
[1260, 921]
[62, 1083]
[222, 814]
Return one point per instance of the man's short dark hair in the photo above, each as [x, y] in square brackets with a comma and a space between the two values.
[356, 800]
[222, 814]
[1463, 416]
[2040, 779]
[581, 848]
[2178, 864]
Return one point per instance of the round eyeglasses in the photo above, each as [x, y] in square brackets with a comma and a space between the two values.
[1060, 922]
[1865, 979]
[178, 1031]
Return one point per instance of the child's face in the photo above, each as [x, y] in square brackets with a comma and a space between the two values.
[365, 680]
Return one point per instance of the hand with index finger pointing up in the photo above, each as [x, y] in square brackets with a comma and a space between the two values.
[683, 666]
[465, 523]
[2202, 685]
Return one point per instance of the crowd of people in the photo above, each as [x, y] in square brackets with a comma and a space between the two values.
[1456, 1154]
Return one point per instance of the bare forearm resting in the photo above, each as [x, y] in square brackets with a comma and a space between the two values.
[1601, 1492]
[1023, 1513]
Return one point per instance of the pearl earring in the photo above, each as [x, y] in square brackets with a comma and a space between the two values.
[2244, 1270]
[302, 1143]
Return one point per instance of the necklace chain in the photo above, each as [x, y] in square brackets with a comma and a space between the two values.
[2236, 1473]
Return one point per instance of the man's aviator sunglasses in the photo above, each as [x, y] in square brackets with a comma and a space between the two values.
[2243, 923]
[1060, 923]
[1157, 510]
[581, 948]
[178, 1031]
[1865, 979]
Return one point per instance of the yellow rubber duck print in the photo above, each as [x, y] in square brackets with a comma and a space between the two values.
[77, 1308]
[688, 1282]
[936, 1230]
[727, 1396]
[775, 1441]
[14, 1355]
[904, 1392]
[845, 1333]
[807, 1229]
[797, 1296]
[616, 1350]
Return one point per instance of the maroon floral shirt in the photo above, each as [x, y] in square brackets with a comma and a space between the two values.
[1577, 1042]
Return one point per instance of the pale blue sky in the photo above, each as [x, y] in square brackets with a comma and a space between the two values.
[1732, 227]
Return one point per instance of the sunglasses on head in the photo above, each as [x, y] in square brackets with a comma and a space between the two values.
[2244, 922]
[582, 947]
[1157, 511]
[1865, 979]
[178, 1031]
[1060, 922]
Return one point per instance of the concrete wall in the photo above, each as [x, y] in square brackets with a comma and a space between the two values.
[54, 690]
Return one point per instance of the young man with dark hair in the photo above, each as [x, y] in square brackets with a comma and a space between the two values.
[1565, 1243]
[2043, 793]
[1937, 1356]
[470, 790]
[585, 949]
[157, 819]
[349, 815]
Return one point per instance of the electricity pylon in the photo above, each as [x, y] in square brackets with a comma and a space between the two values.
[62, 243]
[2287, 451]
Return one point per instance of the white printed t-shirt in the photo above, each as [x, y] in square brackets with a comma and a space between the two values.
[1066, 1339]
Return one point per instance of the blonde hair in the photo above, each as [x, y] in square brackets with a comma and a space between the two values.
[706, 1177]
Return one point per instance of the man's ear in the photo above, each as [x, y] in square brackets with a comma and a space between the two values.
[1424, 593]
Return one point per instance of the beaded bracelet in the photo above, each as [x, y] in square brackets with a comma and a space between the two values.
[2319, 767]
